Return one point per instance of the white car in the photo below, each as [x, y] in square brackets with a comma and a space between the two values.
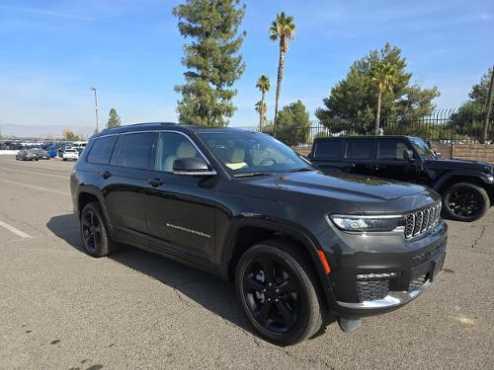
[72, 154]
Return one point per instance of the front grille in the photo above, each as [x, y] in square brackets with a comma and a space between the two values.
[420, 221]
[372, 289]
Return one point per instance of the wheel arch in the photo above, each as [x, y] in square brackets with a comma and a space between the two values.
[244, 235]
[88, 195]
[464, 176]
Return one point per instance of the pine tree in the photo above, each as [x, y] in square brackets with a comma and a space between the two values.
[212, 59]
[114, 119]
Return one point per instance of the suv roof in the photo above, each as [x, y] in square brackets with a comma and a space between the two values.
[162, 125]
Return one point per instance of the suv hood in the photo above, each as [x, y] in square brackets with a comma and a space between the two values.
[345, 187]
[459, 164]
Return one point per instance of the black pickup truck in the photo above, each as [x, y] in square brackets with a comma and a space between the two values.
[467, 187]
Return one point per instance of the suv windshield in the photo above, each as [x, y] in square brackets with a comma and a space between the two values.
[421, 147]
[252, 153]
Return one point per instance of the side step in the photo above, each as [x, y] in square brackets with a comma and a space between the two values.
[349, 325]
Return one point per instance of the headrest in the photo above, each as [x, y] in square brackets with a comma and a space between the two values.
[186, 150]
[238, 155]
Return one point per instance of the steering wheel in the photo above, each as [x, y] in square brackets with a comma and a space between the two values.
[268, 162]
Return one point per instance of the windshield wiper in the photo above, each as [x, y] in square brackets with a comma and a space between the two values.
[303, 169]
[251, 174]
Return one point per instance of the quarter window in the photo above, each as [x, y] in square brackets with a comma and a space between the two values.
[134, 150]
[101, 150]
[359, 149]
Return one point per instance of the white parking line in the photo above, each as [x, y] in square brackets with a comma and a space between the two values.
[8, 169]
[34, 187]
[15, 231]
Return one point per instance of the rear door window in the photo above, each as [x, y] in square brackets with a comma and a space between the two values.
[135, 150]
[328, 149]
[360, 149]
[102, 149]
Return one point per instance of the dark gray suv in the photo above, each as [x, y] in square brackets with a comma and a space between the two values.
[303, 248]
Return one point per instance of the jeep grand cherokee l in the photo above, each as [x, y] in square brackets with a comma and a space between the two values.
[300, 246]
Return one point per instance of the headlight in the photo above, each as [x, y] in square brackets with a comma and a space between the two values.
[360, 223]
[490, 178]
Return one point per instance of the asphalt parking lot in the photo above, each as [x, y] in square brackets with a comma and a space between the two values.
[61, 309]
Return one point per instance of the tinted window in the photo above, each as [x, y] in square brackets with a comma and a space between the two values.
[101, 150]
[172, 146]
[328, 149]
[392, 150]
[134, 150]
[359, 149]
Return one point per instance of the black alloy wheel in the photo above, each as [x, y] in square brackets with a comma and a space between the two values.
[272, 293]
[276, 289]
[465, 202]
[94, 235]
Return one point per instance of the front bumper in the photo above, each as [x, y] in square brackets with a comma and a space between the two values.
[366, 282]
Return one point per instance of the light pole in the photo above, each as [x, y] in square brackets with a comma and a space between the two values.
[93, 89]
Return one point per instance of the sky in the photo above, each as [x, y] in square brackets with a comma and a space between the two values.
[52, 52]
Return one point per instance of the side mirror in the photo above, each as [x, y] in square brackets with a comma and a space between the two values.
[192, 167]
[408, 155]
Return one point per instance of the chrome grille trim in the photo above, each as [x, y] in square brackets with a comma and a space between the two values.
[422, 220]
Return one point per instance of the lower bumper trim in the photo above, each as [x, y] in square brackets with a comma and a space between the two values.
[393, 299]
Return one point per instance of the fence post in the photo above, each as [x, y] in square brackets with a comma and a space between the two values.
[489, 108]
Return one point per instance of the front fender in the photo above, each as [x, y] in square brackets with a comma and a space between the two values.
[483, 177]
[294, 231]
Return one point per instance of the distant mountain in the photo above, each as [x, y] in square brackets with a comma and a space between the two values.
[43, 131]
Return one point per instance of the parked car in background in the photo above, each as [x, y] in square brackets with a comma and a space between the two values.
[41, 153]
[26, 155]
[79, 145]
[466, 187]
[301, 246]
[70, 154]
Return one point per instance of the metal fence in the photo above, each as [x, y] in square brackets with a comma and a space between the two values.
[445, 126]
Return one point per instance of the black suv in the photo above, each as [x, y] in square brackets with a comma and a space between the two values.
[302, 247]
[467, 187]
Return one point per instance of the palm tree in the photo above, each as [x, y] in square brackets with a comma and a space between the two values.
[261, 108]
[282, 29]
[384, 75]
[263, 85]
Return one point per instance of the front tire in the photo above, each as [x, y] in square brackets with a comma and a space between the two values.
[465, 202]
[277, 291]
[94, 233]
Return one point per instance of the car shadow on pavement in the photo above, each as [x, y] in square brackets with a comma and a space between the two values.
[193, 287]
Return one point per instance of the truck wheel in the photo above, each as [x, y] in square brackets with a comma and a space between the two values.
[94, 234]
[465, 202]
[277, 291]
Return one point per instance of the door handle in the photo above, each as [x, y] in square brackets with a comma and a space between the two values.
[155, 182]
[106, 175]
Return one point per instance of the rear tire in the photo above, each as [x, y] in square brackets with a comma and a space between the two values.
[465, 202]
[94, 234]
[276, 287]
